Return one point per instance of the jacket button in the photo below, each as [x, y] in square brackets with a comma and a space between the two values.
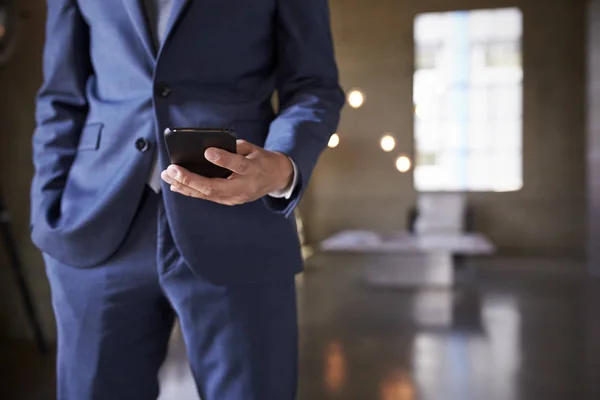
[142, 145]
[163, 90]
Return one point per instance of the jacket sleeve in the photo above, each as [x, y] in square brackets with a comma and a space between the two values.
[310, 98]
[61, 104]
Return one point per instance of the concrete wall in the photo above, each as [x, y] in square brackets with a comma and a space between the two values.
[19, 81]
[593, 147]
[355, 185]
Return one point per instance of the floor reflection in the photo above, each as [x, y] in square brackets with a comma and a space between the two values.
[513, 330]
[335, 368]
[397, 386]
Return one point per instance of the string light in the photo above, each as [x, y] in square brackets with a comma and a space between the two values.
[403, 164]
[356, 99]
[334, 140]
[388, 143]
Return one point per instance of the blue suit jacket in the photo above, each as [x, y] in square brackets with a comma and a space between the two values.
[106, 87]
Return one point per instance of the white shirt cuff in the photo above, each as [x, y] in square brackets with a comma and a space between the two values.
[287, 192]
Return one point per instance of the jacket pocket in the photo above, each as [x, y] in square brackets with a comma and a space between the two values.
[90, 137]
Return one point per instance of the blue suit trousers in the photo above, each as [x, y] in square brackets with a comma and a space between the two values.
[114, 322]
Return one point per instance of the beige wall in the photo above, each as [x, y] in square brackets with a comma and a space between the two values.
[355, 185]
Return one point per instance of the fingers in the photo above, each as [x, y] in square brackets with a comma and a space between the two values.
[186, 191]
[178, 186]
[223, 191]
[234, 162]
[176, 175]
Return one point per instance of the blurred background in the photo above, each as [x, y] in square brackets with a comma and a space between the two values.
[451, 230]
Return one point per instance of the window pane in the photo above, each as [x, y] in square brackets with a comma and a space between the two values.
[468, 100]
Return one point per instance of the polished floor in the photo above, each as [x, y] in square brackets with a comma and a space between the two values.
[512, 329]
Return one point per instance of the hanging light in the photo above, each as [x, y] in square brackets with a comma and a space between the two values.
[356, 99]
[403, 164]
[388, 143]
[334, 140]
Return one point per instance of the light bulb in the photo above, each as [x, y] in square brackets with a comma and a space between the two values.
[356, 99]
[388, 143]
[334, 140]
[403, 164]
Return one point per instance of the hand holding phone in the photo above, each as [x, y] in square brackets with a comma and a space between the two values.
[186, 148]
[255, 173]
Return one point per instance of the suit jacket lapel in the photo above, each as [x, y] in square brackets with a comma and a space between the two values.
[179, 6]
[137, 14]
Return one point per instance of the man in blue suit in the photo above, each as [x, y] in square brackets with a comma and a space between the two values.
[127, 251]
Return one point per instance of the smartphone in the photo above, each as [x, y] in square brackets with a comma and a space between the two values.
[186, 147]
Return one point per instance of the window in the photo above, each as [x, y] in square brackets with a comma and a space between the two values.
[468, 90]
